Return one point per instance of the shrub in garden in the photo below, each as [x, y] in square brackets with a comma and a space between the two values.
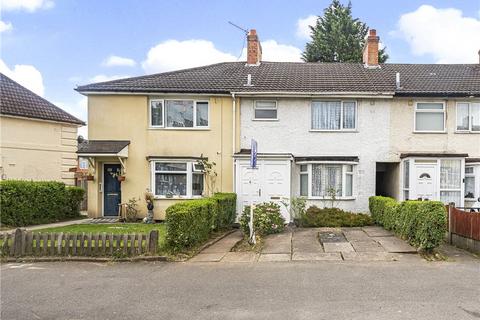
[26, 203]
[422, 223]
[226, 211]
[267, 219]
[333, 217]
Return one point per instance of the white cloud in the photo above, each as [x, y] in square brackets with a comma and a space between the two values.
[116, 61]
[445, 34]
[27, 5]
[78, 109]
[273, 51]
[174, 55]
[5, 26]
[26, 75]
[303, 26]
[103, 77]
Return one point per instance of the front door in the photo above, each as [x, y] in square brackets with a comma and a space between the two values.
[426, 178]
[269, 182]
[111, 189]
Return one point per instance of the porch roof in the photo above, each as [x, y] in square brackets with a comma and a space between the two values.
[472, 160]
[327, 158]
[102, 147]
[433, 155]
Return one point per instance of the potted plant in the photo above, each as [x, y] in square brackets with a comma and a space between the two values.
[121, 178]
[90, 177]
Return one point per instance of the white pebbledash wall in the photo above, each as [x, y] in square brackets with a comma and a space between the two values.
[291, 133]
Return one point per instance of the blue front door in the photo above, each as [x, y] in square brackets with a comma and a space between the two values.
[111, 189]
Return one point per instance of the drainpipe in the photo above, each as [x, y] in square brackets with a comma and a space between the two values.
[234, 126]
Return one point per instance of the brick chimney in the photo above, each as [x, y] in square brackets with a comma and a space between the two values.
[370, 51]
[254, 49]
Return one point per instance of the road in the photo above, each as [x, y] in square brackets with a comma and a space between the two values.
[275, 290]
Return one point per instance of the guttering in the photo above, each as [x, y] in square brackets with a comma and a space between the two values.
[315, 94]
[151, 93]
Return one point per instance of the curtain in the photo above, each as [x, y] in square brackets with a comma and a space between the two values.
[326, 178]
[475, 116]
[316, 180]
[349, 115]
[450, 174]
[450, 196]
[462, 116]
[202, 114]
[326, 115]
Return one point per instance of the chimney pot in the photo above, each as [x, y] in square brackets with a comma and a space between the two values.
[254, 49]
[370, 51]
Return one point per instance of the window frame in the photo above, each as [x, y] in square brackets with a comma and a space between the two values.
[164, 112]
[342, 129]
[264, 119]
[470, 175]
[344, 166]
[470, 122]
[416, 110]
[189, 172]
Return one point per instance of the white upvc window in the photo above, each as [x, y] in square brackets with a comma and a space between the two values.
[83, 163]
[430, 117]
[265, 110]
[470, 182]
[334, 115]
[451, 181]
[176, 179]
[178, 114]
[406, 180]
[325, 180]
[468, 117]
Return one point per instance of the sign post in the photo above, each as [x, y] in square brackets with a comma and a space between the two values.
[253, 167]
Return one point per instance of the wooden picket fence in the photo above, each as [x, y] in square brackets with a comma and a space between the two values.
[26, 243]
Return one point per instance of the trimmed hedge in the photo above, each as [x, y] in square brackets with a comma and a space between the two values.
[191, 222]
[422, 223]
[332, 217]
[26, 203]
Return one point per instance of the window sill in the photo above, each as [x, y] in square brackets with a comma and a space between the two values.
[467, 132]
[269, 120]
[180, 129]
[330, 199]
[176, 198]
[430, 132]
[334, 131]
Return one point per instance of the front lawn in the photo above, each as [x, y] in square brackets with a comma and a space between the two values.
[115, 228]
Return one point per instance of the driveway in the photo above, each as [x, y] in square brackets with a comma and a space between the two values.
[316, 244]
[280, 290]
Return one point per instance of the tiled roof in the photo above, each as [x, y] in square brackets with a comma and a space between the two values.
[102, 146]
[416, 79]
[16, 100]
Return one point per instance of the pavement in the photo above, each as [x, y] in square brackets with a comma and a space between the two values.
[249, 290]
[316, 244]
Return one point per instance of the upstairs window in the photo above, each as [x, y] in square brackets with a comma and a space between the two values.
[430, 117]
[265, 110]
[468, 116]
[334, 115]
[179, 113]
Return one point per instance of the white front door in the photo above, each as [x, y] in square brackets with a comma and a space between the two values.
[270, 182]
[426, 178]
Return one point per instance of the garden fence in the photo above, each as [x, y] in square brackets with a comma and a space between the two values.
[464, 228]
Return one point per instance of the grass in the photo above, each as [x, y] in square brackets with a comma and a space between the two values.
[115, 228]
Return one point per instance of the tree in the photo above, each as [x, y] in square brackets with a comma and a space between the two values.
[337, 37]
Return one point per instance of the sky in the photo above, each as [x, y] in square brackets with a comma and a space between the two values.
[52, 46]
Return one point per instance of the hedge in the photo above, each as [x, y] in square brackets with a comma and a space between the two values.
[191, 222]
[26, 203]
[332, 217]
[422, 223]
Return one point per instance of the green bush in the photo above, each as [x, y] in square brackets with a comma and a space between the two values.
[226, 212]
[333, 217]
[26, 203]
[267, 219]
[422, 223]
[191, 222]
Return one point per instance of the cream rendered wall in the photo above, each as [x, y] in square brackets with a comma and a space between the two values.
[37, 150]
[291, 134]
[403, 139]
[125, 117]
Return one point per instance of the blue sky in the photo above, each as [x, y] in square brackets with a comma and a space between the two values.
[52, 46]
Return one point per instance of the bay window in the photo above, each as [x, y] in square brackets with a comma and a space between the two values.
[430, 117]
[176, 179]
[451, 181]
[468, 117]
[326, 180]
[178, 113]
[334, 115]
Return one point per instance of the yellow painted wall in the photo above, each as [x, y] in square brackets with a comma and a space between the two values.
[37, 150]
[126, 117]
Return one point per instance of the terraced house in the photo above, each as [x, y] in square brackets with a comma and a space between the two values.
[331, 132]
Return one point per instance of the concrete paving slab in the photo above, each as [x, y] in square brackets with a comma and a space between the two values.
[224, 245]
[274, 257]
[376, 231]
[367, 246]
[331, 256]
[367, 256]
[394, 244]
[355, 235]
[338, 247]
[306, 242]
[208, 257]
[278, 243]
[240, 257]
